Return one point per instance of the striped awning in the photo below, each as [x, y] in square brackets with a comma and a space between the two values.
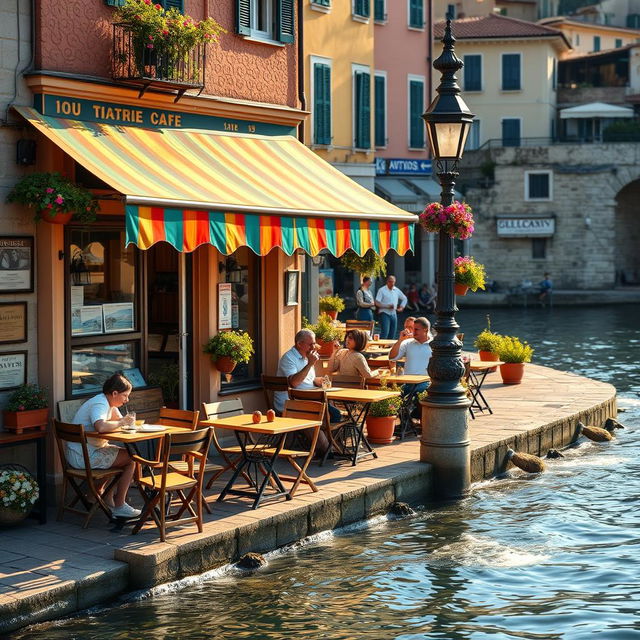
[190, 187]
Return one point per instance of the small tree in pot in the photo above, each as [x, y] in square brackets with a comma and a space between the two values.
[228, 348]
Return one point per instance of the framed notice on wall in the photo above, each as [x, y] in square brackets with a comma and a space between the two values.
[13, 322]
[16, 264]
[225, 307]
[13, 369]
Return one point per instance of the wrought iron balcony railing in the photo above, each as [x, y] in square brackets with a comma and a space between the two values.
[160, 66]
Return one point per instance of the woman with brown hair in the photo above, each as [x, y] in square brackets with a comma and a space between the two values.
[350, 361]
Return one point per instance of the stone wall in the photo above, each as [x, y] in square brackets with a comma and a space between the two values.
[586, 181]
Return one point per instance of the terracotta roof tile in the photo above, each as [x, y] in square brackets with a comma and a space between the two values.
[495, 26]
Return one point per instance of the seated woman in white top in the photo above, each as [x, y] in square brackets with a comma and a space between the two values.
[350, 361]
[101, 414]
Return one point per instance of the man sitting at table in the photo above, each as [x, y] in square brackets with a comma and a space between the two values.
[416, 352]
[297, 365]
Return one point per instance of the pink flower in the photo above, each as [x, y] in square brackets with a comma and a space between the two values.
[59, 199]
[157, 6]
[147, 1]
[49, 206]
[149, 46]
[49, 190]
[21, 407]
[165, 33]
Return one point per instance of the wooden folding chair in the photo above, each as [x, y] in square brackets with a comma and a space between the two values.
[158, 488]
[270, 384]
[91, 499]
[348, 382]
[178, 418]
[305, 410]
[231, 454]
[365, 325]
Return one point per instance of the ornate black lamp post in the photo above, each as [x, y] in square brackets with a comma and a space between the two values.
[445, 435]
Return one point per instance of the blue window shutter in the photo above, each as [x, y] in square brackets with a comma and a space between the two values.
[362, 8]
[416, 107]
[416, 14]
[363, 110]
[321, 104]
[511, 72]
[472, 73]
[173, 4]
[286, 21]
[243, 17]
[380, 111]
[596, 43]
[378, 10]
[511, 132]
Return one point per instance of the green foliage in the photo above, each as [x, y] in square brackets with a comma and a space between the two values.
[468, 272]
[325, 330]
[54, 194]
[388, 407]
[622, 132]
[28, 397]
[511, 349]
[331, 303]
[18, 489]
[238, 345]
[488, 341]
[370, 264]
[167, 378]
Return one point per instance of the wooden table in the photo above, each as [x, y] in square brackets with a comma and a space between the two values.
[253, 453]
[351, 434]
[401, 378]
[39, 438]
[383, 342]
[130, 439]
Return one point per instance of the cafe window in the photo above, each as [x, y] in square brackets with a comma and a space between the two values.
[102, 307]
[242, 271]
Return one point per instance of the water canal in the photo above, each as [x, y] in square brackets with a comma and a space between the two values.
[549, 556]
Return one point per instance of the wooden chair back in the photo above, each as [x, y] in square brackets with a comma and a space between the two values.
[304, 410]
[67, 432]
[270, 384]
[178, 418]
[222, 409]
[365, 325]
[348, 382]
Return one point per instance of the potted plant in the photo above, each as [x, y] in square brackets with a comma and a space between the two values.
[370, 264]
[456, 220]
[228, 348]
[18, 493]
[381, 419]
[487, 343]
[469, 274]
[55, 198]
[331, 305]
[167, 378]
[326, 334]
[27, 407]
[513, 354]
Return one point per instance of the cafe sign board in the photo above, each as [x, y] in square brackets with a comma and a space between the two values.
[526, 227]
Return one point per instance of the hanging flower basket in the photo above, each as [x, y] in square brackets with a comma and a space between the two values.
[456, 220]
[55, 198]
[460, 289]
[468, 274]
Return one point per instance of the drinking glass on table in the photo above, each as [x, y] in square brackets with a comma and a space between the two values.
[130, 419]
[326, 383]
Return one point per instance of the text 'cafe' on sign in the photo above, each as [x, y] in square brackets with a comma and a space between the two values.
[526, 227]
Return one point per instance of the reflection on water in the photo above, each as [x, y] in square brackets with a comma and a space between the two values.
[535, 557]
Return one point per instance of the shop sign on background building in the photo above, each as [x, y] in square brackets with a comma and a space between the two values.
[526, 227]
[402, 167]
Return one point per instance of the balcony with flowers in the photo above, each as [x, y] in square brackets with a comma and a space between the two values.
[158, 47]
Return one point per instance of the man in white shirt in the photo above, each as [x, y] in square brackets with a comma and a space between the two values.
[389, 301]
[416, 352]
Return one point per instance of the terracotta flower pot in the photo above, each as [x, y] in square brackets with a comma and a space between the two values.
[380, 430]
[224, 364]
[512, 372]
[460, 289]
[489, 356]
[326, 348]
[48, 215]
[332, 314]
[19, 420]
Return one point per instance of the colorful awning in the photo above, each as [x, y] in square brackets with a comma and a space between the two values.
[190, 187]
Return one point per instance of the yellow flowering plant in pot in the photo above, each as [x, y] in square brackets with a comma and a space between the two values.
[513, 353]
[331, 305]
[469, 274]
[228, 348]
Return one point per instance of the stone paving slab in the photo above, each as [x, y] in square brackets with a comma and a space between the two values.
[51, 570]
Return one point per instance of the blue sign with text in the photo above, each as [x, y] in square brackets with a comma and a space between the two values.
[402, 166]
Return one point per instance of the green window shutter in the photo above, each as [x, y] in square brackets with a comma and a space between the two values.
[286, 20]
[321, 104]
[173, 4]
[361, 8]
[243, 17]
[363, 110]
[416, 107]
[416, 14]
[323, 3]
[378, 10]
[380, 111]
[511, 72]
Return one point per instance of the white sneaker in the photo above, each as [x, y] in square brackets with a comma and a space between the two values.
[125, 511]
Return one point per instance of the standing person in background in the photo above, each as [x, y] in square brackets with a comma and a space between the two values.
[364, 301]
[414, 298]
[389, 301]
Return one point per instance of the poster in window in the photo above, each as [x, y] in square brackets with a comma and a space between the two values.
[87, 320]
[13, 322]
[77, 296]
[135, 377]
[13, 369]
[325, 282]
[118, 316]
[16, 264]
[225, 311]
[291, 287]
